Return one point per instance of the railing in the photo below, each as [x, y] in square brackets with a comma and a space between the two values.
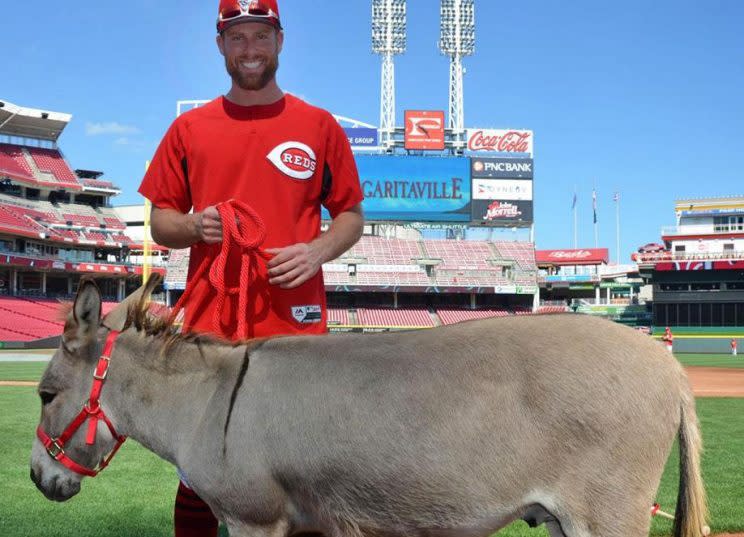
[51, 257]
[702, 229]
[679, 256]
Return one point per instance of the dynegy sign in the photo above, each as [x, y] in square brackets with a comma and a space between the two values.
[502, 168]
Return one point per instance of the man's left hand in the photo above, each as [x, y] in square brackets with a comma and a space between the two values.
[293, 265]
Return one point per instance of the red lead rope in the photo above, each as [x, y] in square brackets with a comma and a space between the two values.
[237, 218]
[91, 411]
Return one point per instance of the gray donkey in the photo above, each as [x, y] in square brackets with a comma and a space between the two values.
[565, 420]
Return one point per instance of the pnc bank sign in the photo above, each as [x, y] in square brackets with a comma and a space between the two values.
[424, 129]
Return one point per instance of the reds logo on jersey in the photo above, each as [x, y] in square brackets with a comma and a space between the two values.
[294, 159]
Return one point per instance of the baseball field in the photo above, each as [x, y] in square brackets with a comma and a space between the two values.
[134, 496]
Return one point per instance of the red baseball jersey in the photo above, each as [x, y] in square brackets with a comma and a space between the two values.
[285, 160]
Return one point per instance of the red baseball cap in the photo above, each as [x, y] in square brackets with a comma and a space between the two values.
[236, 11]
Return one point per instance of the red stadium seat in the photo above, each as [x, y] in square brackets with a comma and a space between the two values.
[51, 161]
[13, 163]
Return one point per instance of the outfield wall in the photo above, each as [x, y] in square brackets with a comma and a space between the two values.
[706, 345]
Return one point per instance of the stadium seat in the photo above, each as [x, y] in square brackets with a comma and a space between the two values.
[400, 318]
[451, 316]
[460, 254]
[51, 161]
[13, 163]
[337, 316]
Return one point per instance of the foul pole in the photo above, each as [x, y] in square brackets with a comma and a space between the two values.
[146, 249]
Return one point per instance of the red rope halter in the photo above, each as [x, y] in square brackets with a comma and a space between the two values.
[244, 228]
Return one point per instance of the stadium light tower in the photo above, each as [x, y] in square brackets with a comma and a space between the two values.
[388, 39]
[457, 39]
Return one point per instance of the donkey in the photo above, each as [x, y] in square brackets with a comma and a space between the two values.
[565, 420]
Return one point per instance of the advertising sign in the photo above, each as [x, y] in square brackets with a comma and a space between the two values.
[361, 136]
[569, 278]
[72, 267]
[424, 129]
[700, 265]
[496, 212]
[515, 290]
[502, 189]
[585, 256]
[516, 168]
[419, 189]
[500, 140]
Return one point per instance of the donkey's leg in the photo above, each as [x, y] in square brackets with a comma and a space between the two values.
[238, 528]
[620, 514]
[537, 514]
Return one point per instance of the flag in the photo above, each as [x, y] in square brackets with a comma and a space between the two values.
[573, 204]
[616, 197]
[594, 204]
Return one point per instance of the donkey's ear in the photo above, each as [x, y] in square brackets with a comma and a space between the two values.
[85, 316]
[116, 319]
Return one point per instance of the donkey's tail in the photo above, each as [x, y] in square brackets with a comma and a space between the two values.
[691, 512]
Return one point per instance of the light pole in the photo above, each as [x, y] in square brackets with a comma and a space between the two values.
[388, 39]
[457, 39]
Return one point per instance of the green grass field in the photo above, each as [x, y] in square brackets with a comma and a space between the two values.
[134, 495]
[712, 360]
[27, 371]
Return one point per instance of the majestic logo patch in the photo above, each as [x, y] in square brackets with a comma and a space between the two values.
[294, 159]
[307, 314]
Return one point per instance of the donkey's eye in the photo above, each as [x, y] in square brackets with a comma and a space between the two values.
[47, 397]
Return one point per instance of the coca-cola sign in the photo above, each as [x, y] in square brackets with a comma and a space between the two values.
[573, 254]
[584, 256]
[500, 140]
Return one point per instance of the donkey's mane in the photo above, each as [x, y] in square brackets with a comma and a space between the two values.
[161, 325]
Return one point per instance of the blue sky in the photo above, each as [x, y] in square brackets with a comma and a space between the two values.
[644, 98]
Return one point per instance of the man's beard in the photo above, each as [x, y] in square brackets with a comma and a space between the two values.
[254, 82]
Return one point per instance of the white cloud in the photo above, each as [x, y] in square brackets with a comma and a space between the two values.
[112, 127]
[129, 143]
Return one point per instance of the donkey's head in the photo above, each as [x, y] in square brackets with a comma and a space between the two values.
[62, 454]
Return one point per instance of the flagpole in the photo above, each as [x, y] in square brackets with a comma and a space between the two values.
[575, 230]
[594, 206]
[617, 225]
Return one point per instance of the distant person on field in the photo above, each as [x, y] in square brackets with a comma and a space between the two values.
[668, 339]
[733, 347]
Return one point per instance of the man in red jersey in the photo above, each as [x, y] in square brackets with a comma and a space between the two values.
[282, 157]
[668, 339]
[733, 346]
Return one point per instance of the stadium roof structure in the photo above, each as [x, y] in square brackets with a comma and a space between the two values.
[31, 123]
[710, 205]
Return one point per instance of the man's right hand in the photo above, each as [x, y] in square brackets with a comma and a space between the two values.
[209, 225]
[175, 229]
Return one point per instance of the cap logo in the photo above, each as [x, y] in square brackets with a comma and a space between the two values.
[244, 4]
[294, 159]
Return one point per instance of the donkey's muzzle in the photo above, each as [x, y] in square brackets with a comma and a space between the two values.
[57, 489]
